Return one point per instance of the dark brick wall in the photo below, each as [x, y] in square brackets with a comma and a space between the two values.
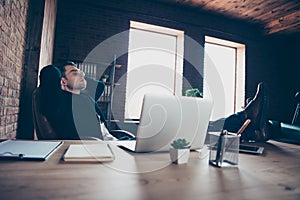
[284, 55]
[12, 45]
[83, 26]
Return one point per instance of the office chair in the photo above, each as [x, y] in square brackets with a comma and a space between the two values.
[44, 130]
[288, 132]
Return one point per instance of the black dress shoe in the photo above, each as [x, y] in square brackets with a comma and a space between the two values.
[263, 134]
[256, 110]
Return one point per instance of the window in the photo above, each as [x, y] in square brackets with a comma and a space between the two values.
[229, 60]
[155, 64]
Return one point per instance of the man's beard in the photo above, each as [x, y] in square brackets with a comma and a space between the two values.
[78, 86]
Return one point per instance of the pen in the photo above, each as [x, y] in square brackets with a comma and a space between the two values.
[220, 148]
[241, 130]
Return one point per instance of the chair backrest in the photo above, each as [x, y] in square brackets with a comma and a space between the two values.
[44, 130]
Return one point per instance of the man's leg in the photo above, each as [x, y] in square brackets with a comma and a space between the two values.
[234, 122]
[255, 111]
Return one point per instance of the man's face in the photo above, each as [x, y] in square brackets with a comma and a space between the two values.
[74, 78]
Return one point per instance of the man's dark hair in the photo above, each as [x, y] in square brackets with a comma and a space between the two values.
[63, 69]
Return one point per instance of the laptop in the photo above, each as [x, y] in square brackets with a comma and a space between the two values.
[165, 118]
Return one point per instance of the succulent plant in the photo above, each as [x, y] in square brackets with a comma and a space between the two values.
[105, 76]
[180, 144]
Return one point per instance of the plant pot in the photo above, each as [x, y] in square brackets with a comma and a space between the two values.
[179, 156]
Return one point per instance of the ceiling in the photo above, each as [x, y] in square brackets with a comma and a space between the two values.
[275, 16]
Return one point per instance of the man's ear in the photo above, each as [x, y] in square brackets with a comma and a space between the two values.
[63, 81]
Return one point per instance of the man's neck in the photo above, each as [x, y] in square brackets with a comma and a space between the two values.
[72, 90]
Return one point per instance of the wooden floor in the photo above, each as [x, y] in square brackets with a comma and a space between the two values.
[273, 175]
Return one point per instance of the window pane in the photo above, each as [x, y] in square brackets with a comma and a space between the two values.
[227, 59]
[224, 61]
[151, 68]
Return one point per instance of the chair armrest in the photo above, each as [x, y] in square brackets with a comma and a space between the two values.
[289, 128]
[285, 132]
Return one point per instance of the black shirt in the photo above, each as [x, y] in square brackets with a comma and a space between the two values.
[73, 116]
[78, 117]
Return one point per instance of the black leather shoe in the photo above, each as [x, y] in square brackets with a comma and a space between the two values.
[256, 110]
[263, 134]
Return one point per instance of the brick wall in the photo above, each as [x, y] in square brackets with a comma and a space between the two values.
[12, 44]
[284, 56]
[81, 26]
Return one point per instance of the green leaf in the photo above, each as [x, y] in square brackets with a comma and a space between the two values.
[194, 92]
[180, 144]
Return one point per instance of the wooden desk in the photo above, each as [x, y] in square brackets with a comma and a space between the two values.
[273, 175]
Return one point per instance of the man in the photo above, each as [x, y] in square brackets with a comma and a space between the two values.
[70, 105]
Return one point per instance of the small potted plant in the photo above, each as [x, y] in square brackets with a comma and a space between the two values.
[104, 78]
[180, 151]
[194, 92]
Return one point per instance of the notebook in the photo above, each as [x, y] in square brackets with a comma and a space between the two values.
[98, 152]
[165, 118]
[28, 149]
